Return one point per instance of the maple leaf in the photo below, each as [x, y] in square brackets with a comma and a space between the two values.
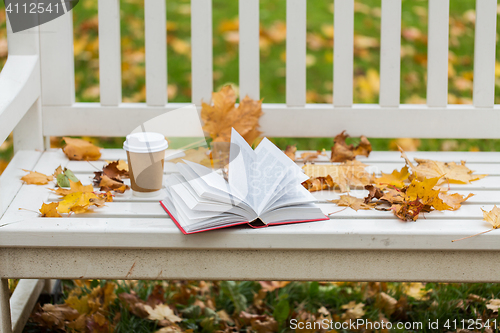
[162, 312]
[454, 201]
[396, 178]
[493, 304]
[342, 152]
[116, 169]
[386, 303]
[352, 202]
[311, 156]
[345, 175]
[64, 176]
[36, 178]
[78, 150]
[200, 155]
[373, 192]
[77, 202]
[450, 172]
[492, 217]
[134, 304]
[223, 115]
[74, 187]
[50, 210]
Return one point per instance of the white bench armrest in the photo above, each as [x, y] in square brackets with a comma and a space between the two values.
[19, 89]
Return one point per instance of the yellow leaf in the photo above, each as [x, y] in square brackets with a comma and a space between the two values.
[454, 201]
[395, 178]
[74, 187]
[77, 202]
[78, 149]
[493, 217]
[79, 304]
[36, 178]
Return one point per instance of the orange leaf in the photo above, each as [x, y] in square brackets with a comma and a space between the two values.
[36, 178]
[78, 150]
[342, 152]
[50, 210]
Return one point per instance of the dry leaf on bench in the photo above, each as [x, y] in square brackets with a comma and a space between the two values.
[50, 210]
[342, 152]
[78, 202]
[493, 217]
[396, 178]
[36, 178]
[450, 172]
[220, 117]
[352, 202]
[454, 201]
[81, 150]
[74, 187]
[290, 152]
[107, 184]
[311, 156]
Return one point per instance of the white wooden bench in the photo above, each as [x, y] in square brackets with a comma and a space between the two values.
[133, 238]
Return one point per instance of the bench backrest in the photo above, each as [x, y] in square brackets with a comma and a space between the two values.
[437, 119]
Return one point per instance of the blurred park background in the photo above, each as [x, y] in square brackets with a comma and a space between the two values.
[406, 302]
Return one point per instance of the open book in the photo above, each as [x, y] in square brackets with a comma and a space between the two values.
[263, 188]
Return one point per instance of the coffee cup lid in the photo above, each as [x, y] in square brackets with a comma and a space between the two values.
[145, 142]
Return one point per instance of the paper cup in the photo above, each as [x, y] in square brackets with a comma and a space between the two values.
[145, 155]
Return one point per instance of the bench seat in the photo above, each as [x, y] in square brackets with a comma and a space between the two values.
[133, 238]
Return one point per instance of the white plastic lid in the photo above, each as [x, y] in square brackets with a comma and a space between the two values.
[145, 142]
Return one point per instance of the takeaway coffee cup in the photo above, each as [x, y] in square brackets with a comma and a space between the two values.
[145, 154]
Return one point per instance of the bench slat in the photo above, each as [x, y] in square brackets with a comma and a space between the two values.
[390, 53]
[249, 57]
[437, 64]
[296, 52]
[156, 52]
[484, 53]
[343, 53]
[110, 69]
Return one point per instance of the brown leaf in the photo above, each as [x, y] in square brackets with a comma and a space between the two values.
[50, 210]
[36, 178]
[342, 152]
[493, 217]
[108, 184]
[134, 304]
[373, 192]
[157, 296]
[223, 115]
[354, 311]
[386, 303]
[78, 150]
[311, 156]
[116, 169]
[347, 175]
[352, 202]
[269, 286]
[290, 152]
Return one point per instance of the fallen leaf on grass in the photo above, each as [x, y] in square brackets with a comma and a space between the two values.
[78, 150]
[386, 303]
[223, 115]
[54, 316]
[162, 312]
[342, 152]
[36, 178]
[49, 210]
[450, 172]
[493, 304]
[354, 311]
[134, 304]
[352, 202]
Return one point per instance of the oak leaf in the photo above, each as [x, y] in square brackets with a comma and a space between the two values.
[352, 202]
[49, 210]
[78, 150]
[223, 115]
[450, 172]
[342, 152]
[36, 178]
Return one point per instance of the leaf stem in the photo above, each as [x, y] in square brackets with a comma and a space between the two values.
[337, 211]
[456, 240]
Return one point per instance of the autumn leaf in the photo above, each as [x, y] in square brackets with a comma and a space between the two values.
[290, 152]
[346, 175]
[223, 115]
[342, 152]
[74, 187]
[354, 311]
[162, 312]
[64, 176]
[493, 304]
[77, 202]
[454, 201]
[311, 156]
[49, 210]
[450, 172]
[395, 178]
[116, 169]
[78, 150]
[200, 155]
[386, 303]
[36, 178]
[373, 192]
[107, 184]
[352, 202]
[134, 304]
[492, 217]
